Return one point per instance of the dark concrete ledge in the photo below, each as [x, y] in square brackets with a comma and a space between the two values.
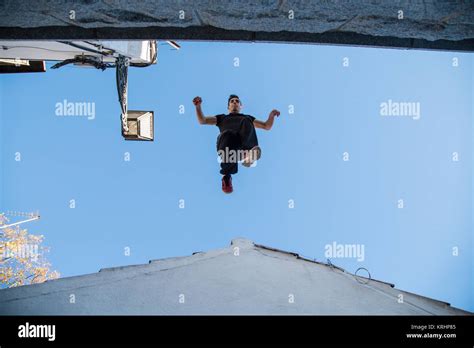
[437, 25]
[217, 34]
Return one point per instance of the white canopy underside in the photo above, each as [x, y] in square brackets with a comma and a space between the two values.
[137, 51]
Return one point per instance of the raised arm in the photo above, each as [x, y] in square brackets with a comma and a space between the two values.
[268, 124]
[211, 120]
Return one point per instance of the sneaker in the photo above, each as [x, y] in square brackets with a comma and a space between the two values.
[252, 155]
[227, 184]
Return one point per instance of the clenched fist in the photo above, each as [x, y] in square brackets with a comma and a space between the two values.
[274, 112]
[197, 101]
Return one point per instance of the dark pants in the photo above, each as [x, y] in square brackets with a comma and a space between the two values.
[243, 138]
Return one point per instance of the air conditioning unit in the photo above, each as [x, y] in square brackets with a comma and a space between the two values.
[140, 125]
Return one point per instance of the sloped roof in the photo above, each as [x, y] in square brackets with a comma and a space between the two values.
[244, 278]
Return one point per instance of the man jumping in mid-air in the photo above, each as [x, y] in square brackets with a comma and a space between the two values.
[237, 140]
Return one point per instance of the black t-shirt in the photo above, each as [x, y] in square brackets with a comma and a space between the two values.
[231, 121]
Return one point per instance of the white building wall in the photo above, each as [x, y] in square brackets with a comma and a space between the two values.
[257, 281]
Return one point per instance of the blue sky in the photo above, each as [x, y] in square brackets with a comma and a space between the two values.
[135, 204]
